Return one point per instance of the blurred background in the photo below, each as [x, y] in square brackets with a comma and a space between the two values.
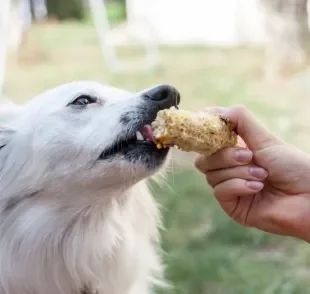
[216, 52]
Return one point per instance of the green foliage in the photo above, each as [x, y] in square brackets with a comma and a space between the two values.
[116, 11]
[66, 9]
[75, 9]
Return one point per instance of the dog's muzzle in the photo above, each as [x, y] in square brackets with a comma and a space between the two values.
[138, 143]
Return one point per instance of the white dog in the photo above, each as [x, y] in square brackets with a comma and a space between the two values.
[76, 215]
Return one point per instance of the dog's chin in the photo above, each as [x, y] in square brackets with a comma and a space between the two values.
[137, 152]
[146, 154]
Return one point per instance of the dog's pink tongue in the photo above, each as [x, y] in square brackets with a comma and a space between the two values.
[147, 133]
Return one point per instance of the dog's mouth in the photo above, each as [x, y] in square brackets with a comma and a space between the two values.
[139, 144]
[142, 137]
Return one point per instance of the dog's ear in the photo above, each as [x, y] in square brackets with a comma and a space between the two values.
[6, 134]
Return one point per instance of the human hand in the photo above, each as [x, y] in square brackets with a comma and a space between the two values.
[265, 184]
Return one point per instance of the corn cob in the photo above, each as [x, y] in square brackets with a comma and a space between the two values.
[200, 132]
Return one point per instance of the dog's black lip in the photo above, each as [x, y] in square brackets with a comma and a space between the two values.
[123, 146]
[130, 137]
[127, 140]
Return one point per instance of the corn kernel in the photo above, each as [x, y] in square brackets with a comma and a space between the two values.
[199, 132]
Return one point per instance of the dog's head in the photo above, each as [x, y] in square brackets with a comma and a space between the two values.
[83, 134]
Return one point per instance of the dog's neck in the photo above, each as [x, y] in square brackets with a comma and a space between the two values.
[77, 210]
[63, 198]
[86, 238]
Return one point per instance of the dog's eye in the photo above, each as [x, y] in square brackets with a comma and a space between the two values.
[83, 100]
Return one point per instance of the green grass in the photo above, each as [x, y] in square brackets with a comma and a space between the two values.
[208, 253]
[205, 252]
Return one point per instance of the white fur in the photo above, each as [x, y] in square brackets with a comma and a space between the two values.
[73, 220]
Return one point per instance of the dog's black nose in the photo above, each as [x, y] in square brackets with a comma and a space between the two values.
[164, 95]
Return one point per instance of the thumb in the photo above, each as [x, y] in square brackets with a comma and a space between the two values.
[249, 128]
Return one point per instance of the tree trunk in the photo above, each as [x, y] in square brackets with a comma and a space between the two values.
[66, 9]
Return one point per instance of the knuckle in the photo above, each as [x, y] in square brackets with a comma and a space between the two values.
[210, 179]
[240, 110]
[217, 192]
[220, 155]
[227, 156]
[222, 190]
[201, 164]
[198, 161]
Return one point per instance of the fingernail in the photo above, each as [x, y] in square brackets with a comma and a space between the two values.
[243, 155]
[258, 172]
[256, 186]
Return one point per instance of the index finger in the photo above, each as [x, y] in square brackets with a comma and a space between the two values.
[225, 158]
[254, 134]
